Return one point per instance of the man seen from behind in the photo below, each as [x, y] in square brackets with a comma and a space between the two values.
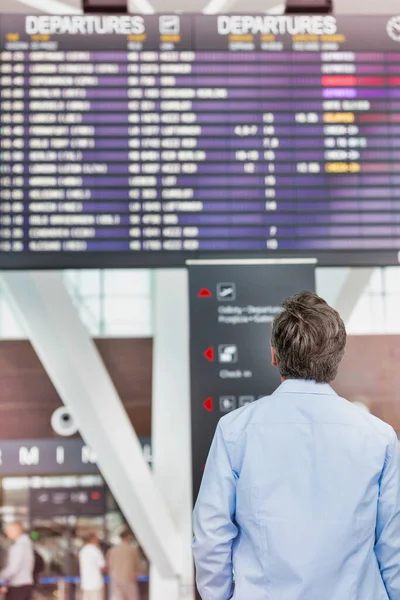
[124, 568]
[300, 498]
[92, 566]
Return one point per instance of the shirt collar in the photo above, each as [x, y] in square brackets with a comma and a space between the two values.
[303, 386]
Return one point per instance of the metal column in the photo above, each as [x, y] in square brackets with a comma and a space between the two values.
[171, 437]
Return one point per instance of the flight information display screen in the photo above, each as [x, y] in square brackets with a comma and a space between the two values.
[147, 140]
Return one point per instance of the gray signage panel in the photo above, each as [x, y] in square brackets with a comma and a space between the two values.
[231, 312]
[64, 502]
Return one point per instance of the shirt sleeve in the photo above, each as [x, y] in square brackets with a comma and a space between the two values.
[387, 546]
[214, 526]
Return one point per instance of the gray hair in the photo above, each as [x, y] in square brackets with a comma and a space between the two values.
[309, 339]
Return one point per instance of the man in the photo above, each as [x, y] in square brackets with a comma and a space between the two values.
[301, 493]
[124, 568]
[92, 566]
[18, 574]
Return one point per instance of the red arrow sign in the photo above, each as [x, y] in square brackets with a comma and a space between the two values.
[204, 293]
[208, 404]
[209, 354]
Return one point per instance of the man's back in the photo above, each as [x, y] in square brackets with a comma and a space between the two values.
[91, 565]
[123, 563]
[310, 486]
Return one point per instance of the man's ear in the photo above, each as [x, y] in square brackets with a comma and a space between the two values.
[274, 361]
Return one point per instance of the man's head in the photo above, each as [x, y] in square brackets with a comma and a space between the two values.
[14, 530]
[308, 339]
[91, 538]
[126, 536]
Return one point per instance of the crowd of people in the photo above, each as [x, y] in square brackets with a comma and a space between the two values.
[121, 564]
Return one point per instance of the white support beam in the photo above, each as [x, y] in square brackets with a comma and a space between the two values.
[74, 365]
[342, 287]
[142, 6]
[171, 426]
[214, 7]
[278, 9]
[351, 290]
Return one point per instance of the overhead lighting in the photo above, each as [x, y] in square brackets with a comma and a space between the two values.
[52, 7]
[309, 7]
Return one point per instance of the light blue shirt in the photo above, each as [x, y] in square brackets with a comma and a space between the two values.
[301, 499]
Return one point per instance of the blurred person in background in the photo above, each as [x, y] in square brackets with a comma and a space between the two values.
[18, 575]
[124, 567]
[39, 566]
[92, 566]
[301, 492]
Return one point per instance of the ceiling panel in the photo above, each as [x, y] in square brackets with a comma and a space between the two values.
[253, 6]
[238, 6]
[165, 6]
[350, 7]
[17, 6]
[367, 7]
[12, 6]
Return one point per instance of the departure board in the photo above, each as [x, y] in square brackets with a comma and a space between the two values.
[137, 140]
